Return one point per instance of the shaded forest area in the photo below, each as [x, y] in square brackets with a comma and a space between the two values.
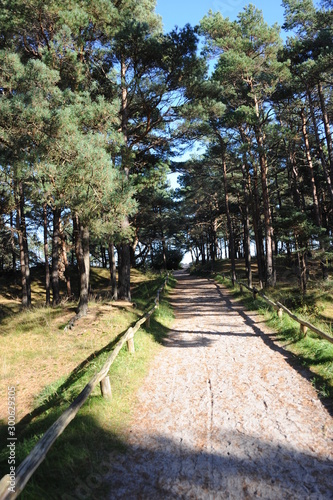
[96, 103]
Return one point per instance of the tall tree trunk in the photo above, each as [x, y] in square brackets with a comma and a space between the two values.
[327, 129]
[318, 218]
[124, 272]
[320, 151]
[254, 199]
[164, 254]
[25, 298]
[23, 245]
[214, 240]
[113, 271]
[270, 281]
[311, 170]
[203, 250]
[124, 253]
[302, 265]
[81, 234]
[246, 225]
[103, 256]
[227, 210]
[297, 198]
[12, 241]
[86, 253]
[55, 256]
[46, 257]
[65, 262]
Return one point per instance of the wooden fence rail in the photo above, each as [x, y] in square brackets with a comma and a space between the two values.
[38, 454]
[304, 325]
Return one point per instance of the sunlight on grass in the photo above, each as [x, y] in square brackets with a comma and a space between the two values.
[50, 367]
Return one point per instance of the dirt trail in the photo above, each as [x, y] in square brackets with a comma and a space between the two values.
[223, 414]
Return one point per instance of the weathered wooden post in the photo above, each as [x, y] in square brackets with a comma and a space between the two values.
[148, 322]
[255, 293]
[241, 288]
[304, 330]
[105, 386]
[280, 313]
[130, 345]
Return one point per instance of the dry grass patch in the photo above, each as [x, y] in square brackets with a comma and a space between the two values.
[36, 350]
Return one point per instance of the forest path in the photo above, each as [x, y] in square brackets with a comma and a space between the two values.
[223, 412]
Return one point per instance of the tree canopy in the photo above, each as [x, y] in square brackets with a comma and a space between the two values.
[96, 102]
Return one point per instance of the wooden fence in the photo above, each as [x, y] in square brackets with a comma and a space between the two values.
[38, 454]
[280, 308]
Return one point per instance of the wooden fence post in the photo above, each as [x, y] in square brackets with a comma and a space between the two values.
[241, 288]
[303, 329]
[130, 345]
[255, 293]
[148, 322]
[280, 313]
[105, 386]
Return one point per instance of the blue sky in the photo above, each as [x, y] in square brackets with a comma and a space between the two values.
[181, 12]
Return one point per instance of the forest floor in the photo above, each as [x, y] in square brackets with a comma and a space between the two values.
[225, 412]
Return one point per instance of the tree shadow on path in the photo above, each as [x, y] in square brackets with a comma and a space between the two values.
[208, 303]
[237, 466]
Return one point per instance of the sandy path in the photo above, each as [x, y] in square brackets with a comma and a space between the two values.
[223, 414]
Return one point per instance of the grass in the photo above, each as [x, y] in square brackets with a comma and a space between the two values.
[314, 353]
[36, 339]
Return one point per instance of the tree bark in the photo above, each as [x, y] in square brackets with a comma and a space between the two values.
[81, 234]
[229, 221]
[254, 200]
[124, 252]
[113, 272]
[55, 256]
[327, 129]
[124, 272]
[164, 253]
[302, 265]
[270, 281]
[320, 151]
[65, 262]
[46, 257]
[12, 241]
[311, 170]
[103, 256]
[23, 245]
[246, 225]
